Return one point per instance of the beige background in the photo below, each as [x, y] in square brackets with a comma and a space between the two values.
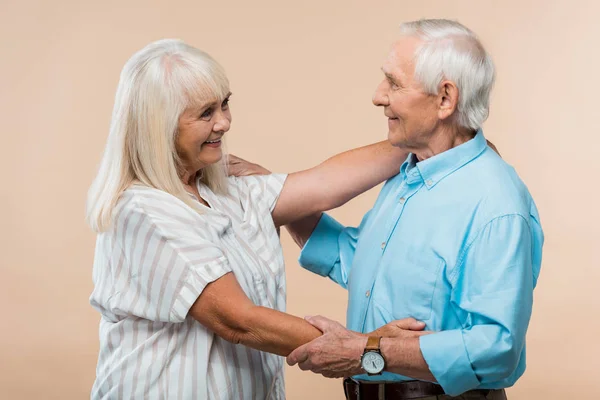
[302, 74]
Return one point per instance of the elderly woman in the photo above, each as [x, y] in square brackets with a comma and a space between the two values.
[188, 269]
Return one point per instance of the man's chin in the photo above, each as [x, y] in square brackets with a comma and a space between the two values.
[395, 140]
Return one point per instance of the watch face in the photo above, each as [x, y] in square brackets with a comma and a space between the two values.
[373, 362]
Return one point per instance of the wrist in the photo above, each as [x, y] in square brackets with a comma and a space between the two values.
[361, 343]
[358, 351]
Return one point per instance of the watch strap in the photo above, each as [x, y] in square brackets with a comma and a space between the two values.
[373, 343]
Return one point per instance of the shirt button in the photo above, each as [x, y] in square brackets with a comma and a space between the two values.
[402, 200]
[382, 245]
[368, 293]
[429, 182]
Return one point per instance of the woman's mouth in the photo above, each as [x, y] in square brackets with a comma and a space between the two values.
[213, 143]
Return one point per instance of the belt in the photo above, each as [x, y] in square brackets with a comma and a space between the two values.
[405, 390]
[364, 390]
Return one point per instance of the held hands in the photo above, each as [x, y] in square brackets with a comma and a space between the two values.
[337, 353]
[402, 328]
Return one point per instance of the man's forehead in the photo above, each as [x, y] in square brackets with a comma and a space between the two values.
[401, 56]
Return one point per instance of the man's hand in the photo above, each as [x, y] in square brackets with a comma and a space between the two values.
[407, 327]
[337, 353]
[239, 167]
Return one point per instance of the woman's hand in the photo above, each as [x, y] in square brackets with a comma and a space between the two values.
[493, 147]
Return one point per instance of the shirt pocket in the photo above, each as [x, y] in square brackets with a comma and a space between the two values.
[411, 283]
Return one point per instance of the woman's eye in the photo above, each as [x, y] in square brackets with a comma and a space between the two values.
[206, 114]
[225, 103]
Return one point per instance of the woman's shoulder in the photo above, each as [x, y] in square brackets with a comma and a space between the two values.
[158, 208]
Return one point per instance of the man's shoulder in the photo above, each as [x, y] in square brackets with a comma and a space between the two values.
[494, 186]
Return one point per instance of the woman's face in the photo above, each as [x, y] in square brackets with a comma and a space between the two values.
[200, 131]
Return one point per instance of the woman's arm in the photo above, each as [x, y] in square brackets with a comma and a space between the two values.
[336, 181]
[224, 308]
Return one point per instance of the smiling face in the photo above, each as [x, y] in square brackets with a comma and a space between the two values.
[200, 131]
[412, 113]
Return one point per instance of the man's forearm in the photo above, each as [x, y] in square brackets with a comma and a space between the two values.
[301, 230]
[403, 356]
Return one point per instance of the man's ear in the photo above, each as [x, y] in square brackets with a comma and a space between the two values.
[447, 99]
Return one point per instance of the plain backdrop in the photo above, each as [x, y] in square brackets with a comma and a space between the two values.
[303, 74]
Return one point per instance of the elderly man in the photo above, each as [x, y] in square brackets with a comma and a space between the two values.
[454, 240]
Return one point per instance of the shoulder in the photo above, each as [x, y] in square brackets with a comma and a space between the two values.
[495, 187]
[159, 212]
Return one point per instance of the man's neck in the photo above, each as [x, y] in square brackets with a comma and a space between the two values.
[444, 139]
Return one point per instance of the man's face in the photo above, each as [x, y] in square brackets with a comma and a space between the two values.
[412, 114]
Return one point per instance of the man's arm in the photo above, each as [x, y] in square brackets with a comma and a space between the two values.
[302, 229]
[492, 293]
[337, 353]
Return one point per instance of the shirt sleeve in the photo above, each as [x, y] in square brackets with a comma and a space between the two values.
[492, 293]
[264, 189]
[165, 264]
[329, 251]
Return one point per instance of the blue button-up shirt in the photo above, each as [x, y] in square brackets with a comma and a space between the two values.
[454, 241]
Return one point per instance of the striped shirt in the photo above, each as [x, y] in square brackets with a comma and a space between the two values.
[152, 265]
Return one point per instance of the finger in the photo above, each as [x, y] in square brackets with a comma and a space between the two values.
[234, 159]
[329, 374]
[421, 333]
[306, 366]
[298, 355]
[410, 324]
[323, 324]
[234, 170]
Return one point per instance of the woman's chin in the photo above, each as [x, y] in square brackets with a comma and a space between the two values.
[212, 159]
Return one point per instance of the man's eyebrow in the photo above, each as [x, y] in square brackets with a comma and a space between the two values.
[389, 75]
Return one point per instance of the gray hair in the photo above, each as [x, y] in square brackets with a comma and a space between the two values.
[157, 84]
[452, 51]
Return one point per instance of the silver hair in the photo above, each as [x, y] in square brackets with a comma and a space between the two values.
[452, 51]
[157, 84]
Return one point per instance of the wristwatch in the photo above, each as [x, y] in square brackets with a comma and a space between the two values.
[372, 360]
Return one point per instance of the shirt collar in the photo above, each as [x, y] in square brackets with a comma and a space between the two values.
[434, 169]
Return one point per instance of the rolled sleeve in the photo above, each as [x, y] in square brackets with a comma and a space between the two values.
[194, 284]
[492, 295]
[173, 264]
[321, 252]
[264, 189]
[448, 361]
